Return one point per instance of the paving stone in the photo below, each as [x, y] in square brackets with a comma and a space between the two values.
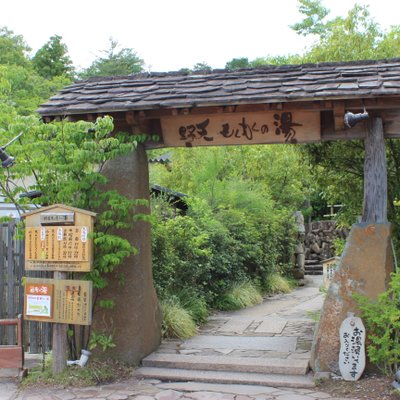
[86, 393]
[259, 353]
[168, 395]
[224, 351]
[92, 398]
[271, 325]
[284, 344]
[235, 325]
[67, 395]
[210, 396]
[190, 351]
[320, 395]
[294, 397]
[128, 392]
[151, 381]
[117, 396]
[215, 387]
[143, 397]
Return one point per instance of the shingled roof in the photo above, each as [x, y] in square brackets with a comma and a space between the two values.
[271, 84]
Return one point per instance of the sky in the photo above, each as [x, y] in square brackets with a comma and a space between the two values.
[173, 34]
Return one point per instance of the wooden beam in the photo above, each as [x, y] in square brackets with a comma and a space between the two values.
[375, 174]
[338, 115]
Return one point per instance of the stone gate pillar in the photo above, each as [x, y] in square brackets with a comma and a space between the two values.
[366, 262]
[136, 319]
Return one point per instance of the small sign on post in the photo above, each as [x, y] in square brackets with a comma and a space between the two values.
[57, 238]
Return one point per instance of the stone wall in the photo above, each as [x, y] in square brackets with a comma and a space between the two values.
[319, 239]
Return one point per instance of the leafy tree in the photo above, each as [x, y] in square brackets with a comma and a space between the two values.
[355, 37]
[53, 60]
[22, 89]
[201, 66]
[237, 63]
[275, 60]
[64, 161]
[13, 49]
[338, 166]
[239, 224]
[114, 62]
[313, 23]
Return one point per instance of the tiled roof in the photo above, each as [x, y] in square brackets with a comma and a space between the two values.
[271, 84]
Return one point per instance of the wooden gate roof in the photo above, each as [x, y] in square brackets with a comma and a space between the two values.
[274, 104]
[271, 84]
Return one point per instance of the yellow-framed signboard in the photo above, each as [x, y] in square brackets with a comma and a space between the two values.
[57, 238]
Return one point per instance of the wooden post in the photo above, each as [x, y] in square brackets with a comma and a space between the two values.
[59, 344]
[375, 174]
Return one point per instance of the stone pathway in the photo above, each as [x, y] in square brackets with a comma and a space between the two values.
[281, 327]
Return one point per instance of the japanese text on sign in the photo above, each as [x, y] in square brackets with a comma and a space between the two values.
[39, 300]
[57, 243]
[352, 352]
[277, 127]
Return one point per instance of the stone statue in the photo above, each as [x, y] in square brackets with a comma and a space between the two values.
[298, 271]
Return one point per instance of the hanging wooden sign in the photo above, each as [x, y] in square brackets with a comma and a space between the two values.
[352, 348]
[241, 128]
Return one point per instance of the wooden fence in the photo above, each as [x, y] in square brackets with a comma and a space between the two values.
[37, 335]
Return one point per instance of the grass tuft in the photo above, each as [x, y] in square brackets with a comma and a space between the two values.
[177, 322]
[95, 373]
[240, 295]
[194, 304]
[276, 283]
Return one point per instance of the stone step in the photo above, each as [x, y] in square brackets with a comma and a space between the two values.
[243, 378]
[313, 272]
[311, 262]
[226, 363]
[316, 267]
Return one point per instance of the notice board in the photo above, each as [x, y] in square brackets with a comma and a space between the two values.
[63, 301]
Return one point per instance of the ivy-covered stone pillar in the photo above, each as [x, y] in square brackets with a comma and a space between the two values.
[135, 321]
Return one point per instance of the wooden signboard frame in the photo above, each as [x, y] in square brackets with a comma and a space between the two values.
[71, 300]
[57, 238]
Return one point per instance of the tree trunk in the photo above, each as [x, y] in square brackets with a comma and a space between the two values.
[375, 174]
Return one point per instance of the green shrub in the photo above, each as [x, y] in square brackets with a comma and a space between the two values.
[177, 322]
[194, 304]
[240, 295]
[382, 321]
[276, 283]
[339, 245]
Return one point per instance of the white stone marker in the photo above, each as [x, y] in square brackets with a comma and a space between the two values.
[352, 348]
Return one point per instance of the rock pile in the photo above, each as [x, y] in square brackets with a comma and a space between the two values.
[319, 245]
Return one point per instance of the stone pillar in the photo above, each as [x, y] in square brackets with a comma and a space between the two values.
[364, 268]
[366, 262]
[136, 319]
